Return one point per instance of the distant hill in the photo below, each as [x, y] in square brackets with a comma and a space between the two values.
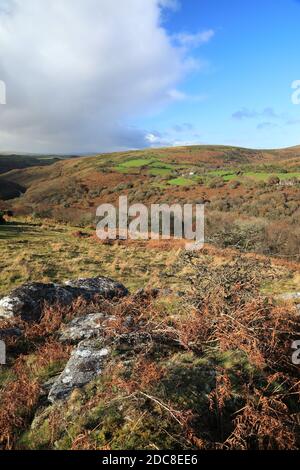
[13, 161]
[10, 190]
[252, 197]
[177, 173]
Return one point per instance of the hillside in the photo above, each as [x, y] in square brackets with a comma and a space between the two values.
[161, 164]
[10, 189]
[15, 161]
[251, 195]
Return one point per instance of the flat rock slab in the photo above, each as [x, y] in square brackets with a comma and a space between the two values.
[85, 327]
[103, 286]
[85, 364]
[27, 300]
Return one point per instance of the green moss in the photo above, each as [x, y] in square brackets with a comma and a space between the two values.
[37, 439]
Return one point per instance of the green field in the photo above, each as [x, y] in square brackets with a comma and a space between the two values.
[265, 176]
[181, 181]
[135, 163]
[257, 175]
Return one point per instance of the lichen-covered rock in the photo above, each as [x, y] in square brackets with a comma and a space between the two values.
[85, 364]
[133, 342]
[85, 327]
[27, 300]
[136, 342]
[104, 286]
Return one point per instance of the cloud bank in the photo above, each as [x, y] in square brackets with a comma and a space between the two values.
[77, 70]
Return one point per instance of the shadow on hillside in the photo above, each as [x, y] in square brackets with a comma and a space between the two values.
[13, 229]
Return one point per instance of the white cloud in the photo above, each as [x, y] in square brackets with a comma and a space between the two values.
[75, 70]
[172, 4]
[194, 40]
[177, 95]
[246, 113]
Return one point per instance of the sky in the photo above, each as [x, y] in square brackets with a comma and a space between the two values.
[85, 76]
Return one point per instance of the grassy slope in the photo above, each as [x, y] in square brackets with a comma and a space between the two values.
[13, 162]
[51, 252]
[31, 251]
[9, 188]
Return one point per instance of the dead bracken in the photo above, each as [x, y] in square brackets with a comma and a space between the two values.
[207, 370]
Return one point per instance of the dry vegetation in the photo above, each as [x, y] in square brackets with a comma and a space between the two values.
[211, 370]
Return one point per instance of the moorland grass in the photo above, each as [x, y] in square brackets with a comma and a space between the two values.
[50, 252]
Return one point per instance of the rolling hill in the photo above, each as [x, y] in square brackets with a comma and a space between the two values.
[10, 189]
[35, 172]
[17, 161]
[252, 197]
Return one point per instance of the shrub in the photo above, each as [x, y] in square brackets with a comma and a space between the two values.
[234, 184]
[216, 183]
[273, 180]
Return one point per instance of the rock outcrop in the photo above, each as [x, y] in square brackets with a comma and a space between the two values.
[293, 296]
[85, 327]
[27, 300]
[85, 363]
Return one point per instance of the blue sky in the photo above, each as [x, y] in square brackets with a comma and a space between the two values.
[245, 83]
[108, 75]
